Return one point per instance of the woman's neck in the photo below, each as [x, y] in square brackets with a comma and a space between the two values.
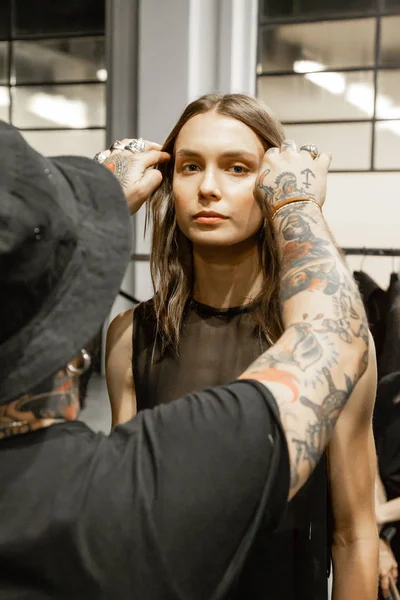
[227, 276]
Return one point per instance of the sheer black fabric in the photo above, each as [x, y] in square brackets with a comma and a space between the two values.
[216, 346]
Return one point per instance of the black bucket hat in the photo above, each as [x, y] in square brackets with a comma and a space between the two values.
[64, 246]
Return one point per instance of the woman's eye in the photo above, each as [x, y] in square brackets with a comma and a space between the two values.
[238, 169]
[190, 168]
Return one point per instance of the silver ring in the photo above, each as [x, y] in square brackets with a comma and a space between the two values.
[100, 157]
[311, 149]
[87, 361]
[136, 146]
[117, 145]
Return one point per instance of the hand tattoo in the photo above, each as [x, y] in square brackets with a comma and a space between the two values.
[118, 164]
[285, 187]
[307, 173]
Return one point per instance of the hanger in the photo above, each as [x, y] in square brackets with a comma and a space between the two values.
[364, 256]
[393, 276]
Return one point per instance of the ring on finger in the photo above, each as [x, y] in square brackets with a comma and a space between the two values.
[311, 149]
[136, 146]
[100, 157]
[117, 145]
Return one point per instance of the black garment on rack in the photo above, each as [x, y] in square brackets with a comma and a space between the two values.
[217, 346]
[387, 439]
[389, 357]
[376, 305]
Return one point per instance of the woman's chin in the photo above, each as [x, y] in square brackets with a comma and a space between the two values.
[212, 240]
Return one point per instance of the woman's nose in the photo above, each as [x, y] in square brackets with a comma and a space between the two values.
[209, 187]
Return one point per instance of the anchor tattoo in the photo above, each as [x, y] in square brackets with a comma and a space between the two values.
[307, 173]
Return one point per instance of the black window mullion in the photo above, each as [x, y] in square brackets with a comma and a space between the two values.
[58, 83]
[327, 70]
[55, 36]
[10, 59]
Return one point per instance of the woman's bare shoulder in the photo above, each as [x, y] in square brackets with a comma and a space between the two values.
[120, 325]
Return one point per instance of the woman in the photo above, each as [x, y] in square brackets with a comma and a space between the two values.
[215, 268]
[230, 264]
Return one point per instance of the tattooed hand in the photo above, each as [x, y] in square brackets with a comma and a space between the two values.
[134, 172]
[286, 173]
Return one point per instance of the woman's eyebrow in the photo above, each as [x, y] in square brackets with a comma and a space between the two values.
[240, 154]
[187, 153]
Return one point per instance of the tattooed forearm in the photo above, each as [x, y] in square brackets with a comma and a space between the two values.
[313, 369]
[319, 432]
[302, 348]
[307, 260]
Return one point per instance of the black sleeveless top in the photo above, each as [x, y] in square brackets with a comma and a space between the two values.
[216, 346]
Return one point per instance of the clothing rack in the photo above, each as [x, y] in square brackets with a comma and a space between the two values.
[128, 297]
[372, 251]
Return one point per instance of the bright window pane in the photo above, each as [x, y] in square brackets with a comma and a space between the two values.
[349, 143]
[73, 59]
[319, 96]
[316, 46]
[387, 145]
[75, 106]
[388, 99]
[4, 103]
[54, 143]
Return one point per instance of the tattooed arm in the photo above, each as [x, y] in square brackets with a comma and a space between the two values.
[311, 264]
[352, 470]
[314, 367]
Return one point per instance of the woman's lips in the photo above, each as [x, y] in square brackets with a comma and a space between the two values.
[209, 218]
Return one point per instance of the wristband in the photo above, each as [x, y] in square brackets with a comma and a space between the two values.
[292, 201]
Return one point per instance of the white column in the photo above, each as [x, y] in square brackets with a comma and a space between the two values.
[122, 48]
[238, 46]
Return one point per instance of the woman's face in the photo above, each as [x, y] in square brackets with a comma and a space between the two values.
[217, 160]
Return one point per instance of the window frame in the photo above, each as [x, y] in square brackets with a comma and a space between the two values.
[11, 83]
[378, 14]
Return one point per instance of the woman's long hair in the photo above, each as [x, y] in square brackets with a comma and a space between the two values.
[171, 260]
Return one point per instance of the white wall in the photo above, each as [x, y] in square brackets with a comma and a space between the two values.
[364, 210]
